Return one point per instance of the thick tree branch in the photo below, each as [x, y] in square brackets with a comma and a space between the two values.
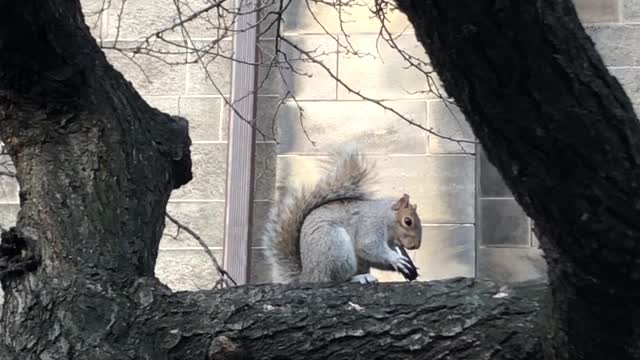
[459, 318]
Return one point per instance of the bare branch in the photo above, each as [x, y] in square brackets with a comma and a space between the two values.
[225, 280]
[367, 98]
[271, 15]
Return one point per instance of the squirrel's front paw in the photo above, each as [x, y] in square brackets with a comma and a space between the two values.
[364, 279]
[413, 271]
[400, 263]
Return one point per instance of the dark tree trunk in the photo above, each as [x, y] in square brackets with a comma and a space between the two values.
[96, 166]
[563, 134]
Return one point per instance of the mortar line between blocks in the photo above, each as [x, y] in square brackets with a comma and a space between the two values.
[179, 201]
[417, 155]
[190, 248]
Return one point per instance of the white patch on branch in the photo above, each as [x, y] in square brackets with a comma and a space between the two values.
[502, 293]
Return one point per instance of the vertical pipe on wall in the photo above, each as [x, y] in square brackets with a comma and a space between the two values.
[241, 145]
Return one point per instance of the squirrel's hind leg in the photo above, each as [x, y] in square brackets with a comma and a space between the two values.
[327, 254]
[363, 274]
[364, 279]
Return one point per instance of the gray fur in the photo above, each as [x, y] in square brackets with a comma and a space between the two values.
[337, 230]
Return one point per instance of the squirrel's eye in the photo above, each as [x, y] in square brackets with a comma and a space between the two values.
[407, 221]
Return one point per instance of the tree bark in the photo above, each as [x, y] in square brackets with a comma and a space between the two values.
[563, 134]
[461, 319]
[456, 319]
[96, 166]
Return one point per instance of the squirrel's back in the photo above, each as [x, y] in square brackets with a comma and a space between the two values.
[348, 176]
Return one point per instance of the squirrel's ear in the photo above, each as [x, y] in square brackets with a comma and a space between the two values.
[415, 207]
[402, 203]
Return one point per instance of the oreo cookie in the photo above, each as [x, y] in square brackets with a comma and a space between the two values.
[413, 272]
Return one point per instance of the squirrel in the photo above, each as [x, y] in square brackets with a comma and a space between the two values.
[337, 231]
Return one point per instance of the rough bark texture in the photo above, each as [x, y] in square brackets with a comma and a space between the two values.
[96, 166]
[457, 319]
[564, 136]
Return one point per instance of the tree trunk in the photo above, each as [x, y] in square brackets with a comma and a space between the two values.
[96, 166]
[563, 134]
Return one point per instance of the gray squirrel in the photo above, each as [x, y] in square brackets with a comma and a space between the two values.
[337, 231]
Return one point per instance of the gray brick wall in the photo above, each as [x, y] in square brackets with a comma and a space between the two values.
[438, 174]
[177, 83]
[477, 231]
[506, 251]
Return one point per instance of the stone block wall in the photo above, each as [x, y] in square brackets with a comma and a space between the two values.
[439, 175]
[472, 225]
[175, 81]
[507, 249]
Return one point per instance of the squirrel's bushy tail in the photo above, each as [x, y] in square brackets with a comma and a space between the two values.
[348, 176]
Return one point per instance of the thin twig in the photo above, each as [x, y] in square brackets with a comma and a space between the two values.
[270, 17]
[367, 98]
[224, 275]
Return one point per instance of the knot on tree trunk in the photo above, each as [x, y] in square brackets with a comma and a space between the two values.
[17, 255]
[181, 161]
[174, 142]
